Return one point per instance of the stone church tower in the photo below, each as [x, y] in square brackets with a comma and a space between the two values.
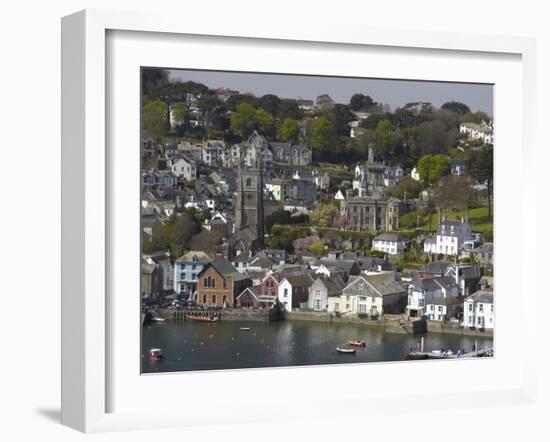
[249, 204]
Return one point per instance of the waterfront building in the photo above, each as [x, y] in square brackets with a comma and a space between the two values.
[219, 284]
[321, 290]
[479, 310]
[293, 290]
[186, 270]
[358, 299]
[435, 298]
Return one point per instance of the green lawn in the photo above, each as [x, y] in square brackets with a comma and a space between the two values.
[477, 219]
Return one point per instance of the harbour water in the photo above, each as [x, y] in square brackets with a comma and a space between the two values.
[189, 345]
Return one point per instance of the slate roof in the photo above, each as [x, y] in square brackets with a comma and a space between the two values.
[385, 284]
[394, 237]
[484, 295]
[334, 285]
[226, 269]
[300, 280]
[438, 267]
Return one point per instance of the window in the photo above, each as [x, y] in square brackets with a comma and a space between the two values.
[318, 293]
[286, 293]
[337, 307]
[317, 304]
[492, 308]
[224, 301]
[362, 308]
[205, 282]
[431, 308]
[224, 284]
[204, 299]
[213, 283]
[470, 307]
[480, 307]
[213, 299]
[348, 306]
[440, 308]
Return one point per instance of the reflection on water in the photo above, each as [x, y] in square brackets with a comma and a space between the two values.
[190, 345]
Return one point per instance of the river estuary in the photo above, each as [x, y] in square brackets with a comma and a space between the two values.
[191, 345]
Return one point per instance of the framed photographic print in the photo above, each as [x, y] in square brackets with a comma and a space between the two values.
[287, 210]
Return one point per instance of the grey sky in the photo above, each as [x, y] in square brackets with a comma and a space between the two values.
[393, 92]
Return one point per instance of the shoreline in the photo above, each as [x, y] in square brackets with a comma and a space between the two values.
[393, 325]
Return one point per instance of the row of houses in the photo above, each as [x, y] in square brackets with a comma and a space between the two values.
[335, 285]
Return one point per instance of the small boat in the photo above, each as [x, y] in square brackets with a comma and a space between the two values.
[155, 354]
[345, 350]
[416, 355]
[244, 328]
[154, 319]
[202, 318]
[357, 343]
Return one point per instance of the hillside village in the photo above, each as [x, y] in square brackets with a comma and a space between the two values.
[347, 210]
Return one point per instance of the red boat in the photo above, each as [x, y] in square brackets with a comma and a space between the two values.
[155, 354]
[202, 318]
[357, 343]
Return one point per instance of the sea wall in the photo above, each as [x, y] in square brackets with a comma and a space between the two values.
[456, 329]
[390, 324]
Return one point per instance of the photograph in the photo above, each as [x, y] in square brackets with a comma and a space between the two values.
[304, 220]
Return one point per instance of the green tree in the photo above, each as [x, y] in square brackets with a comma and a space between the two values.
[360, 102]
[179, 113]
[323, 215]
[385, 139]
[289, 130]
[243, 121]
[323, 136]
[456, 107]
[154, 118]
[432, 167]
[151, 77]
[407, 188]
[270, 103]
[317, 248]
[481, 168]
[265, 123]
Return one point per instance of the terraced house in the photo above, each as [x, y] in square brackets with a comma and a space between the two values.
[219, 284]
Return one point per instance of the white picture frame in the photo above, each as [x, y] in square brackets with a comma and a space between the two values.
[87, 213]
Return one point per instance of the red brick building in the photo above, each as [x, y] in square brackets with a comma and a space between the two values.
[219, 284]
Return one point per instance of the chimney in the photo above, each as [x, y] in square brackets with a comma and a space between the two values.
[371, 154]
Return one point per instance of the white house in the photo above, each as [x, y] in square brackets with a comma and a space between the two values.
[293, 290]
[432, 297]
[482, 132]
[358, 298]
[320, 291]
[479, 310]
[186, 271]
[415, 175]
[182, 167]
[390, 243]
[450, 237]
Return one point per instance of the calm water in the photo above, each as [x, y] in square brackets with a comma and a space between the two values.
[190, 345]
